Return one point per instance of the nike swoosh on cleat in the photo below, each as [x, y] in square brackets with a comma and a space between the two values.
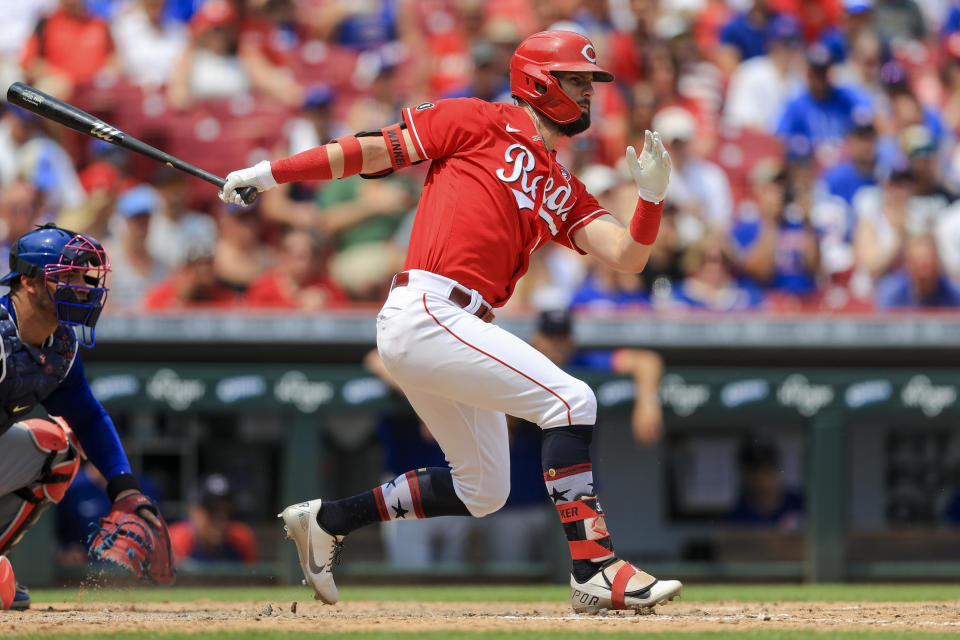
[310, 561]
[512, 130]
[19, 409]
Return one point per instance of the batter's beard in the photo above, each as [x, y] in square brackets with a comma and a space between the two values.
[579, 125]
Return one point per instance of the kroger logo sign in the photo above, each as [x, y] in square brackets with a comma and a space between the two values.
[930, 398]
[177, 392]
[682, 397]
[807, 398]
[306, 395]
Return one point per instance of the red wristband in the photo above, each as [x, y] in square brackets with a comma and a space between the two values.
[646, 221]
[399, 156]
[312, 164]
[352, 155]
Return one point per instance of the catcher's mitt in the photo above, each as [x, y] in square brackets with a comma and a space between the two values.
[129, 541]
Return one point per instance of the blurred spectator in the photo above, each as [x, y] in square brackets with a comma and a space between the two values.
[882, 216]
[133, 268]
[898, 20]
[921, 282]
[268, 45]
[433, 33]
[902, 111]
[359, 25]
[821, 116]
[241, 255]
[699, 188]
[361, 216]
[930, 196]
[210, 534]
[27, 152]
[627, 48]
[193, 284]
[604, 290]
[764, 500]
[860, 167]
[710, 281]
[298, 281]
[857, 18]
[17, 20]
[292, 203]
[861, 71]
[103, 183]
[745, 36]
[174, 229]
[760, 87]
[382, 94]
[947, 232]
[488, 80]
[68, 48]
[775, 242]
[148, 43]
[19, 212]
[208, 66]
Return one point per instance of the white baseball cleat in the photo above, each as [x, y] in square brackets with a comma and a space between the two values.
[317, 549]
[619, 585]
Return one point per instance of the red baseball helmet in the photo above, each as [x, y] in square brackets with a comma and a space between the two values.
[538, 57]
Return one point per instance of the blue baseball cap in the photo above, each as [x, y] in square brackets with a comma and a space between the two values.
[142, 199]
[857, 6]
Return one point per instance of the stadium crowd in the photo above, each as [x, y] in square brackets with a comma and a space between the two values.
[814, 143]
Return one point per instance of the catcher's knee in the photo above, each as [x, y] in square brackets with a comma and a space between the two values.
[484, 497]
[60, 457]
[576, 403]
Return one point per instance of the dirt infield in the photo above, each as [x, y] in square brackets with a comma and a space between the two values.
[98, 617]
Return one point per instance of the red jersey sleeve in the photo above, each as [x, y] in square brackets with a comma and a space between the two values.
[585, 209]
[442, 128]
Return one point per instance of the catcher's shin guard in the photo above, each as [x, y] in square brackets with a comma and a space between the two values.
[55, 440]
[8, 584]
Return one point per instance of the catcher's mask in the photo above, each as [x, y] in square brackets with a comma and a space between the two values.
[539, 57]
[75, 264]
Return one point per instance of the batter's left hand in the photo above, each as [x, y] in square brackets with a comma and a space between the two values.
[651, 171]
[259, 176]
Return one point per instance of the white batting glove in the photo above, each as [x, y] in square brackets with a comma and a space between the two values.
[651, 172]
[259, 176]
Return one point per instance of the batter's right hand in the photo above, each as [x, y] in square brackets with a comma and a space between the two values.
[259, 176]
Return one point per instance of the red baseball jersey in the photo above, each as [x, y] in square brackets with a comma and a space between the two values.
[492, 197]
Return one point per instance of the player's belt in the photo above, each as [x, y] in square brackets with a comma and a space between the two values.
[459, 296]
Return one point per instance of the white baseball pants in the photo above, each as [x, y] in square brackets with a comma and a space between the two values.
[461, 375]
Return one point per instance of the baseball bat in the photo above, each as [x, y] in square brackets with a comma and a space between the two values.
[47, 106]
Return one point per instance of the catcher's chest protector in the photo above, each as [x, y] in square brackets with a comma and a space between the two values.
[29, 374]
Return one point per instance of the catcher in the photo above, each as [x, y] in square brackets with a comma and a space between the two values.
[58, 288]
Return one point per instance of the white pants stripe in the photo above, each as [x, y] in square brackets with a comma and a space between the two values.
[461, 375]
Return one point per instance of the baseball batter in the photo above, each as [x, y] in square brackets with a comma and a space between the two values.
[58, 288]
[494, 194]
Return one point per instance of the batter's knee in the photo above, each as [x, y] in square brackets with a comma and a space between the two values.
[576, 404]
[484, 497]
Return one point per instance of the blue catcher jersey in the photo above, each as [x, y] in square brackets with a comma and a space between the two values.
[52, 375]
[29, 374]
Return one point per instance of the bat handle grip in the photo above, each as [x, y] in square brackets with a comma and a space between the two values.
[248, 194]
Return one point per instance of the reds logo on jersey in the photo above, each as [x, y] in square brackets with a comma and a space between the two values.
[556, 195]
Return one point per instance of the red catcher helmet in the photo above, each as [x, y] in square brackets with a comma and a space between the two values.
[533, 64]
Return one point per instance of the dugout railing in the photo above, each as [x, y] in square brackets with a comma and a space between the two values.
[834, 409]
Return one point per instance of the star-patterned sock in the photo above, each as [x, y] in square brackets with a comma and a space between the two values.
[423, 493]
[568, 474]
